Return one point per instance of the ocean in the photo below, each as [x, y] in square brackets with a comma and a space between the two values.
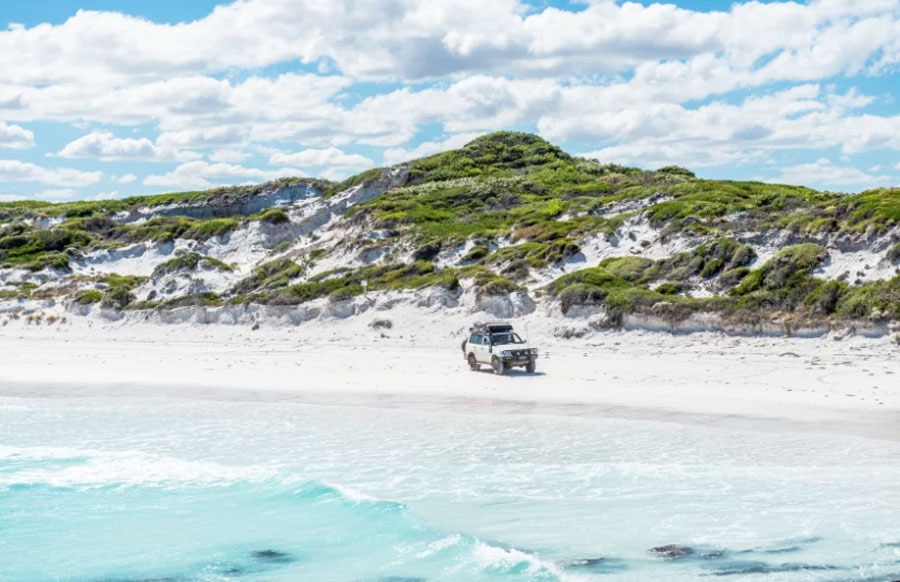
[179, 490]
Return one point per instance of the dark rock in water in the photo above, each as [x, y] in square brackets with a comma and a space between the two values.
[740, 568]
[672, 551]
[598, 565]
[787, 550]
[272, 556]
[582, 563]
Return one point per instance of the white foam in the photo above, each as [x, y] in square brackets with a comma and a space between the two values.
[98, 468]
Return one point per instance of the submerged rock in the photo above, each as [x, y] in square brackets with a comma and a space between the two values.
[672, 551]
[582, 563]
[742, 568]
[272, 556]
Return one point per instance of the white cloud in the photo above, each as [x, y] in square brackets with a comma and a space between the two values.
[397, 155]
[719, 133]
[104, 146]
[104, 195]
[823, 174]
[126, 179]
[56, 195]
[15, 137]
[200, 174]
[408, 39]
[229, 156]
[623, 78]
[11, 197]
[334, 162]
[16, 171]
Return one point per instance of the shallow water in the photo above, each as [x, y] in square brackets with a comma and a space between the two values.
[96, 489]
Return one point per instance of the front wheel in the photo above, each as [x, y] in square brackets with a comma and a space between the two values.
[530, 366]
[473, 363]
[497, 366]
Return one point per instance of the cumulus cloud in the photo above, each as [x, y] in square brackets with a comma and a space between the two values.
[804, 117]
[56, 195]
[16, 171]
[200, 174]
[15, 137]
[632, 82]
[229, 156]
[397, 155]
[104, 146]
[823, 173]
[333, 161]
[104, 195]
[126, 179]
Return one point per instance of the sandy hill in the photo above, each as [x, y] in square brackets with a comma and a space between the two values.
[506, 226]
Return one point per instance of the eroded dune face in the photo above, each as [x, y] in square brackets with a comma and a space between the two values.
[507, 226]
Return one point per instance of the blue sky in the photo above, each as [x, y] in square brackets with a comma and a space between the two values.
[110, 98]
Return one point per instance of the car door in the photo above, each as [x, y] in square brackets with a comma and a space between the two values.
[484, 354]
[473, 346]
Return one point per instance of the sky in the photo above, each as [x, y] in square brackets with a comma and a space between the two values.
[105, 99]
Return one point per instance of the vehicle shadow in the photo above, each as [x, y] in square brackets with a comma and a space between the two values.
[512, 373]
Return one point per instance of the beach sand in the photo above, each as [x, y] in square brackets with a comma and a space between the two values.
[819, 384]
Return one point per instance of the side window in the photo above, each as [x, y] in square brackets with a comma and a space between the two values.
[485, 340]
[475, 339]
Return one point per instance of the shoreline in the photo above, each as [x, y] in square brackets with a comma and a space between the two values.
[783, 384]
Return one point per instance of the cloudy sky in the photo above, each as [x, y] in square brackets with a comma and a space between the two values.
[106, 98]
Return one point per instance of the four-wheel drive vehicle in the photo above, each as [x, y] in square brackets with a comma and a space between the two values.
[497, 345]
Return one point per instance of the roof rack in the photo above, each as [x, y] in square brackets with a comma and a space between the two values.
[491, 327]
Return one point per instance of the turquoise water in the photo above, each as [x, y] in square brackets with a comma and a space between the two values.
[129, 489]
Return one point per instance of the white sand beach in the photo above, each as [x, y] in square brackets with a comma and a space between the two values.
[822, 384]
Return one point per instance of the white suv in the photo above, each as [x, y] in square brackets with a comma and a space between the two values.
[497, 345]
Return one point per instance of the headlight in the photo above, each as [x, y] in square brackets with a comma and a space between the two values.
[534, 351]
[506, 353]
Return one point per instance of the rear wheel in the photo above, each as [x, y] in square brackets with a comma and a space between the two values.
[497, 366]
[530, 366]
[473, 363]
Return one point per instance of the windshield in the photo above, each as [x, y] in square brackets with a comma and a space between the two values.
[500, 339]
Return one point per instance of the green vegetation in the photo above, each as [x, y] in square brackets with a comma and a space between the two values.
[347, 283]
[476, 253]
[268, 276]
[203, 299]
[189, 262]
[89, 297]
[536, 205]
[232, 195]
[782, 285]
[495, 153]
[272, 216]
[35, 249]
[118, 290]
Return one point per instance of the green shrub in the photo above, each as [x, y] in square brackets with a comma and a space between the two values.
[203, 299]
[117, 298]
[893, 254]
[272, 216]
[476, 253]
[670, 288]
[271, 275]
[189, 262]
[89, 297]
[631, 268]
